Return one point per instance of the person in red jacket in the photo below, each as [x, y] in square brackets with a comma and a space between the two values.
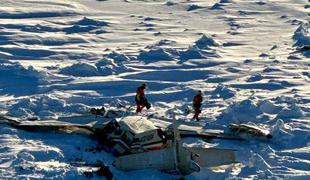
[197, 105]
[140, 99]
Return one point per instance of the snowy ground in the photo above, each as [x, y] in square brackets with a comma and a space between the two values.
[250, 58]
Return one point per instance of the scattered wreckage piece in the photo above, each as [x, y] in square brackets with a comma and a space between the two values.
[176, 157]
[188, 131]
[248, 129]
[163, 159]
[212, 157]
[195, 131]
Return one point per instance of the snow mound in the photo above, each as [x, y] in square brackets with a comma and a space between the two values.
[217, 6]
[151, 19]
[170, 3]
[18, 80]
[302, 36]
[243, 112]
[192, 52]
[277, 127]
[48, 169]
[206, 41]
[255, 77]
[256, 166]
[270, 70]
[107, 66]
[112, 63]
[200, 50]
[81, 26]
[222, 91]
[292, 111]
[269, 107]
[79, 29]
[11, 70]
[261, 111]
[156, 54]
[226, 1]
[258, 162]
[38, 14]
[90, 22]
[44, 106]
[117, 57]
[193, 7]
[86, 25]
[163, 42]
[80, 70]
[170, 54]
[281, 134]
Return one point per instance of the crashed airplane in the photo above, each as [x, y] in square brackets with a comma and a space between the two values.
[136, 140]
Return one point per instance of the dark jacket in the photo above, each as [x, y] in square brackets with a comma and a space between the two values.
[140, 96]
[197, 101]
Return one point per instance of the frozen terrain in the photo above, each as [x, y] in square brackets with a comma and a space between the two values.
[251, 58]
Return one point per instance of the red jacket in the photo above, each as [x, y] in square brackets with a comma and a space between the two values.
[197, 99]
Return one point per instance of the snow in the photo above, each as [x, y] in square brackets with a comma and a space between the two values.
[250, 59]
[40, 106]
[206, 41]
[301, 35]
[80, 69]
[155, 54]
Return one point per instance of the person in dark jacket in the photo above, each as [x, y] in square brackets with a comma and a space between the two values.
[140, 99]
[197, 105]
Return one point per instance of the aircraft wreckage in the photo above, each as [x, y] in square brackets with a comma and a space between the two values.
[136, 140]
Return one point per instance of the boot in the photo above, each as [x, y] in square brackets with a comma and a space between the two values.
[196, 116]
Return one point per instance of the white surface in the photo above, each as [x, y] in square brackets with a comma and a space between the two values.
[60, 58]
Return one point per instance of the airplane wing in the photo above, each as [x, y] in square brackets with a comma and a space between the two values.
[43, 126]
